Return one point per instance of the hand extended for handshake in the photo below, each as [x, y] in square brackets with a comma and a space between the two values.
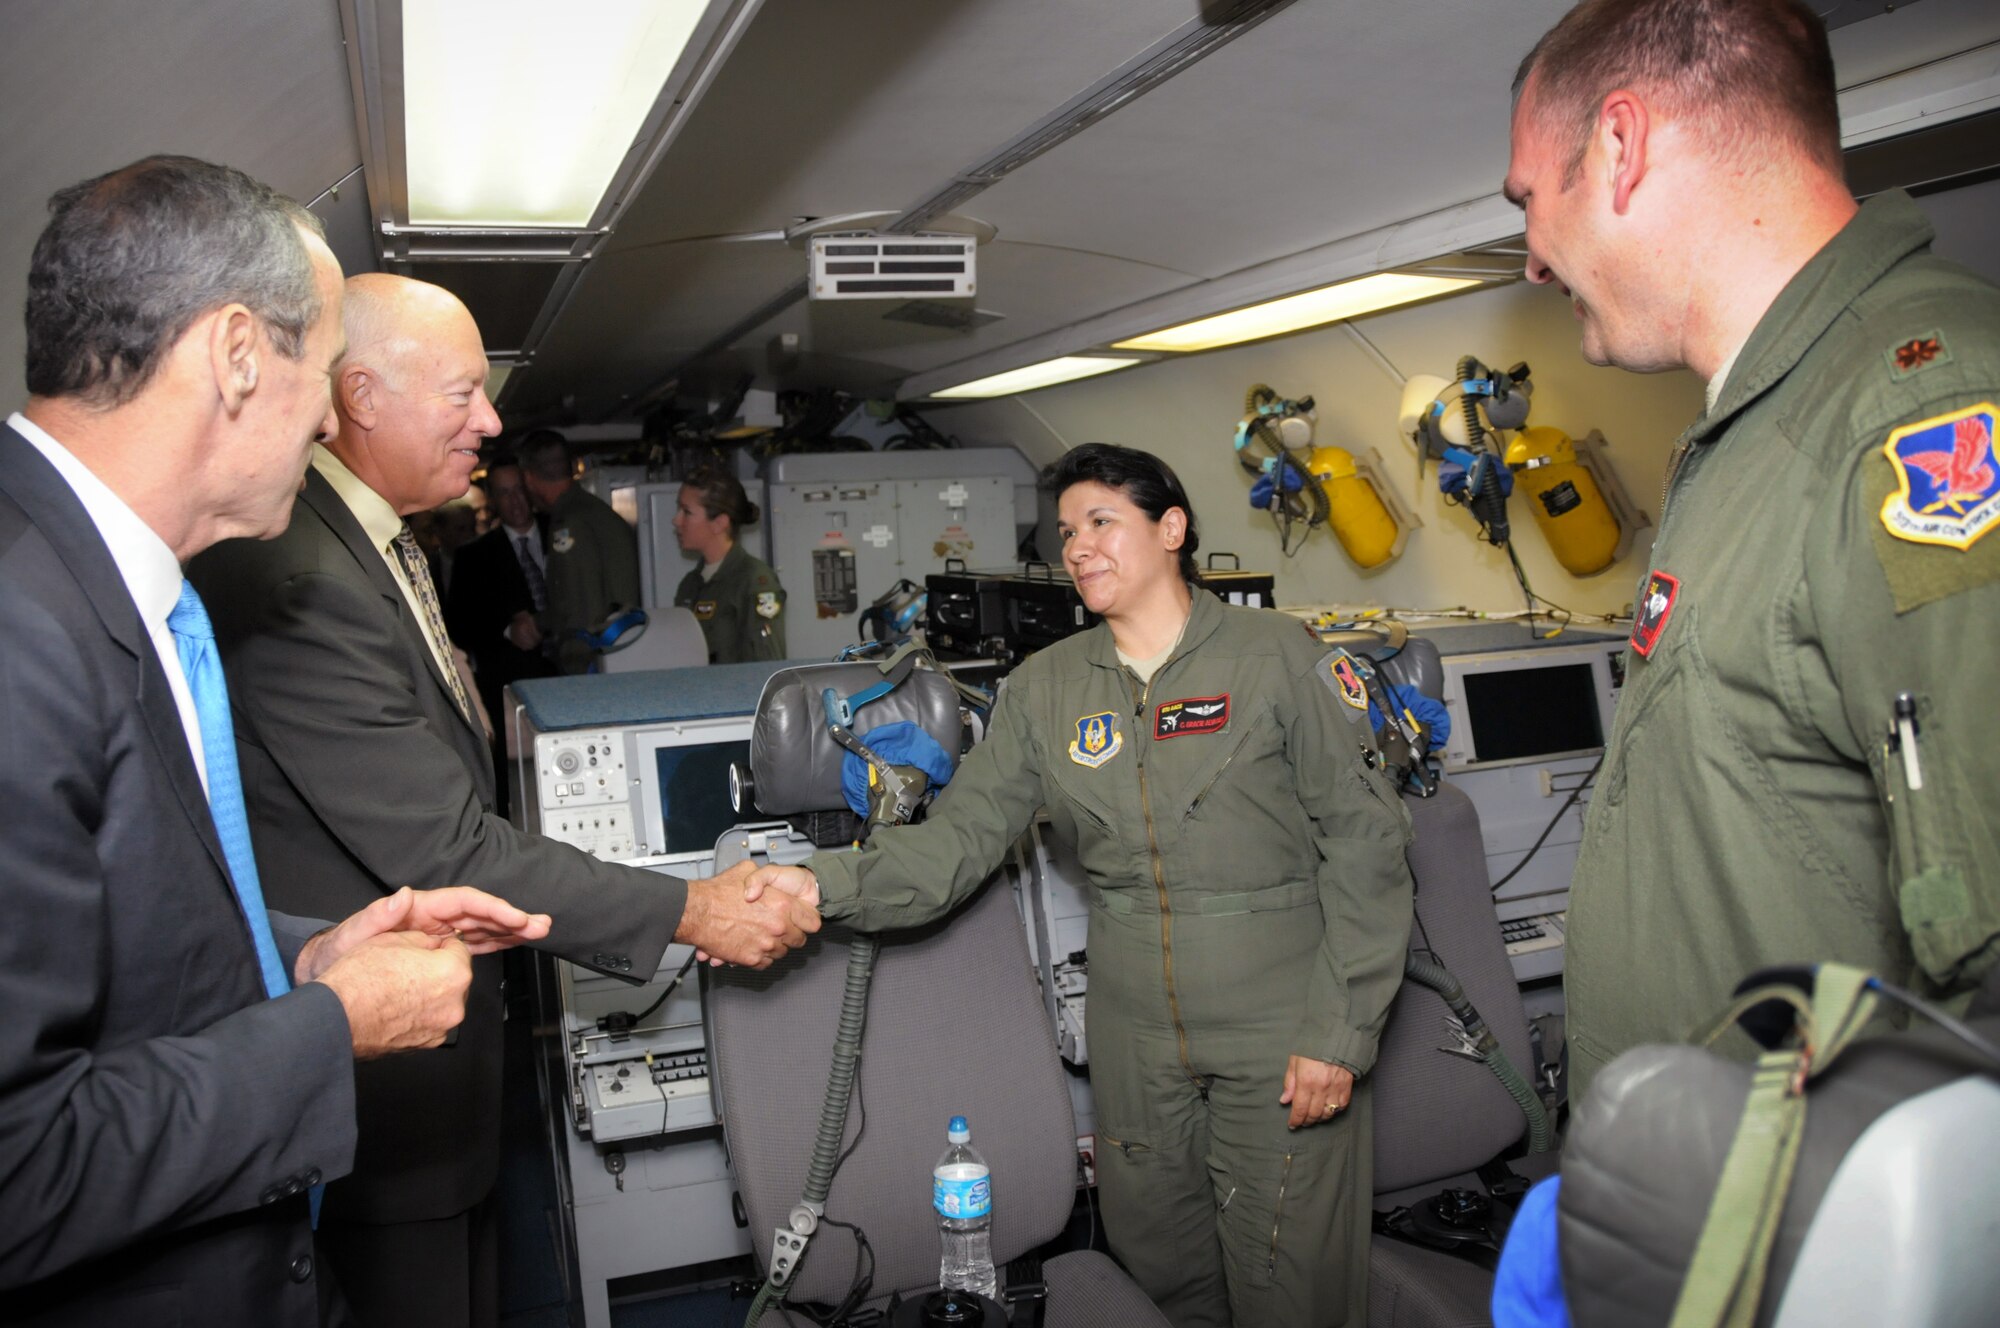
[402, 965]
[731, 920]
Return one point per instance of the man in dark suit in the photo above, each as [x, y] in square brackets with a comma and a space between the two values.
[365, 768]
[164, 1110]
[498, 585]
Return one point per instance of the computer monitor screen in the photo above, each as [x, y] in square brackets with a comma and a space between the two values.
[1518, 713]
[693, 789]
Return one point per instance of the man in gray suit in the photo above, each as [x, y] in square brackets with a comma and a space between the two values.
[365, 769]
[163, 1109]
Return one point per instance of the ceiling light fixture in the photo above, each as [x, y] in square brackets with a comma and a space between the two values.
[1062, 369]
[505, 197]
[576, 96]
[1291, 313]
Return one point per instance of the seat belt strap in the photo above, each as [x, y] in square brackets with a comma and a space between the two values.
[1025, 1294]
[1732, 1258]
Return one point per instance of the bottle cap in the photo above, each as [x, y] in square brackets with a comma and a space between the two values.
[958, 1131]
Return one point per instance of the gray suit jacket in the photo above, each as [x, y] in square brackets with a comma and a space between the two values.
[362, 776]
[159, 1118]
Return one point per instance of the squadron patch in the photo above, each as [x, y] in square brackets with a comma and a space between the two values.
[1917, 354]
[1191, 717]
[1655, 607]
[1947, 479]
[1345, 676]
[561, 540]
[704, 609]
[767, 604]
[1098, 739]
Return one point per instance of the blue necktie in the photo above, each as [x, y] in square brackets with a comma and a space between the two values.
[194, 637]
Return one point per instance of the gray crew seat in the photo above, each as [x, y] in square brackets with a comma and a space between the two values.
[956, 1026]
[1439, 1117]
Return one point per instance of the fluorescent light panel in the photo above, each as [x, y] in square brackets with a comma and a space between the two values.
[1328, 304]
[1062, 369]
[517, 113]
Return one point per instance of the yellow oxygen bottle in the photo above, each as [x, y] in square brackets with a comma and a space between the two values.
[1355, 512]
[1577, 522]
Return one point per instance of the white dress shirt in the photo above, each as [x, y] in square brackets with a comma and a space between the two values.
[533, 535]
[151, 572]
[381, 525]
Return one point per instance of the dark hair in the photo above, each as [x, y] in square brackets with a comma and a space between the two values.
[130, 259]
[1743, 72]
[1147, 481]
[545, 455]
[721, 494]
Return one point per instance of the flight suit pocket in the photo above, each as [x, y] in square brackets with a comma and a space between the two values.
[1931, 894]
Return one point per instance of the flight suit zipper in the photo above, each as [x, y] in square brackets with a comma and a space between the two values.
[1160, 877]
[1278, 1215]
[1215, 778]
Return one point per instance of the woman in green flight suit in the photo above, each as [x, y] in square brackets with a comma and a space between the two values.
[1250, 905]
[734, 594]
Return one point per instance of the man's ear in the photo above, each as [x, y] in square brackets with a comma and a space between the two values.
[359, 394]
[1624, 127]
[235, 353]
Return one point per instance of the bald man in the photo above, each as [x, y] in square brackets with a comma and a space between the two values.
[366, 770]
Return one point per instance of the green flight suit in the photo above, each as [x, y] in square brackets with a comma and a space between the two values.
[593, 572]
[1249, 901]
[1750, 811]
[741, 608]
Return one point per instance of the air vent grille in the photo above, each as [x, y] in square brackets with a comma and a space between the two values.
[874, 267]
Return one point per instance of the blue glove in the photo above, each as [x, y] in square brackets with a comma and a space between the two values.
[1528, 1289]
[1428, 710]
[901, 743]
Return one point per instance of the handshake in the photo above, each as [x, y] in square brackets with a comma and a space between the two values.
[750, 915]
[402, 965]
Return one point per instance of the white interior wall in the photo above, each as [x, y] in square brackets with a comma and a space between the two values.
[1186, 410]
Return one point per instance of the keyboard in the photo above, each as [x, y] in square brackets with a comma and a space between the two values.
[1534, 945]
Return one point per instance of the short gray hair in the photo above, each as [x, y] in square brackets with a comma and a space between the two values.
[130, 259]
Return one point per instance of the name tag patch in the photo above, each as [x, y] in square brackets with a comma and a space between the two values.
[704, 609]
[1098, 739]
[1191, 716]
[1655, 607]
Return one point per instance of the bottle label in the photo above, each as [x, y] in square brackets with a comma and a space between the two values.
[962, 1197]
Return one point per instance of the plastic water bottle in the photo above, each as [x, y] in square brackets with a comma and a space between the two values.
[962, 1193]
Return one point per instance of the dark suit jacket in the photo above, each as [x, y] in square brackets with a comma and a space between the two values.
[361, 777]
[487, 590]
[159, 1118]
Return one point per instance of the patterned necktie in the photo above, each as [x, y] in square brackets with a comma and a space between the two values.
[538, 586]
[194, 639]
[404, 546]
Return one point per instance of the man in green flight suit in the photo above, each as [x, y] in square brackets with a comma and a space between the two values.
[593, 569]
[1804, 762]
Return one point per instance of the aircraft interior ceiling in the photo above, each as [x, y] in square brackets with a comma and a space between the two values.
[1315, 125]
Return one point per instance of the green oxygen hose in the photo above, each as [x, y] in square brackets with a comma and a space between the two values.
[1439, 979]
[805, 1215]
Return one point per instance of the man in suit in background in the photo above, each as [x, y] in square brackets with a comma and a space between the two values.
[365, 769]
[499, 583]
[168, 1096]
